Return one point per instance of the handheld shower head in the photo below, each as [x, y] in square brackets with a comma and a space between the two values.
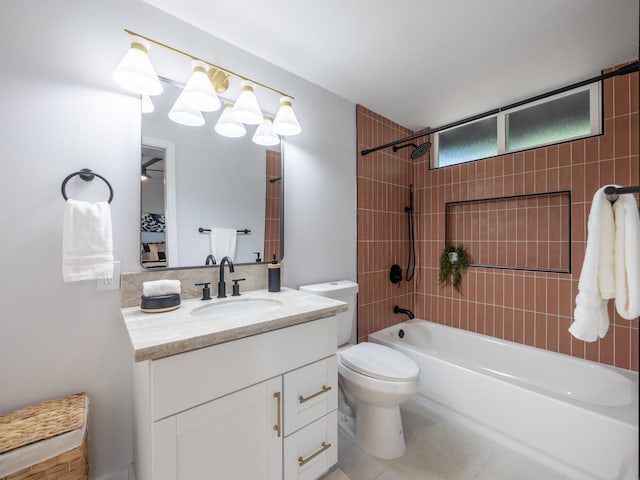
[420, 150]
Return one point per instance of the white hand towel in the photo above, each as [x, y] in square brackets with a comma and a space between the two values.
[87, 243]
[222, 242]
[627, 258]
[160, 287]
[597, 279]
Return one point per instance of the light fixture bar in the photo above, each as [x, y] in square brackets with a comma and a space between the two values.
[242, 77]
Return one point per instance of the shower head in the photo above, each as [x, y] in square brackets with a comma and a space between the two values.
[420, 150]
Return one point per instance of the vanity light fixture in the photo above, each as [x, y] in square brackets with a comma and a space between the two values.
[144, 175]
[135, 71]
[264, 134]
[185, 114]
[198, 92]
[246, 108]
[286, 123]
[147, 104]
[227, 125]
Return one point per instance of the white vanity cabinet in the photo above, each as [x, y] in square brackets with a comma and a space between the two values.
[260, 407]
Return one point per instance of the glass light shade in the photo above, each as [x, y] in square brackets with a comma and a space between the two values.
[286, 122]
[246, 108]
[185, 114]
[199, 92]
[147, 104]
[135, 72]
[265, 135]
[227, 125]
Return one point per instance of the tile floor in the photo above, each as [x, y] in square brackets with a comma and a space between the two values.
[437, 450]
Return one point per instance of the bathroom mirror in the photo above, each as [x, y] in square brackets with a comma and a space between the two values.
[193, 179]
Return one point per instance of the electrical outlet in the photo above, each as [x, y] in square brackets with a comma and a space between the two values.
[112, 283]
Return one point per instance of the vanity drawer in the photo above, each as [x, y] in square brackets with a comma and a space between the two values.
[310, 392]
[313, 450]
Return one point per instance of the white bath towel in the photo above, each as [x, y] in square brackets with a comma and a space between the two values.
[154, 288]
[222, 243]
[597, 279]
[87, 243]
[627, 258]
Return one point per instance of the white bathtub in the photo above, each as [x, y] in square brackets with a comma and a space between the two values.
[575, 415]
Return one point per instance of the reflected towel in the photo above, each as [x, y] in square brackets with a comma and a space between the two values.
[627, 258]
[222, 243]
[160, 287]
[597, 279]
[87, 243]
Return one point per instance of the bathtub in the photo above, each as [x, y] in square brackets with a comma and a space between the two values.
[577, 416]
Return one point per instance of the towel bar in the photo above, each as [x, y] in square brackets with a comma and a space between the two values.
[245, 231]
[612, 192]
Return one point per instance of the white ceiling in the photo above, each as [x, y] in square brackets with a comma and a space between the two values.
[425, 62]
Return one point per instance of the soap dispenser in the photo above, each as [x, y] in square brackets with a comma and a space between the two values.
[274, 275]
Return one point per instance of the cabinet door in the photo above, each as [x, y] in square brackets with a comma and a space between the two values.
[233, 437]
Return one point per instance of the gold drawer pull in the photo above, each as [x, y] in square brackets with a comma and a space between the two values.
[276, 427]
[302, 461]
[324, 389]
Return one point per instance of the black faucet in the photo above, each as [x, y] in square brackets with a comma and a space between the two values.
[406, 311]
[210, 260]
[221, 286]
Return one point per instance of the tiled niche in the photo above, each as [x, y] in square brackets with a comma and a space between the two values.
[525, 232]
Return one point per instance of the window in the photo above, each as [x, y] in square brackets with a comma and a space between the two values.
[468, 142]
[567, 116]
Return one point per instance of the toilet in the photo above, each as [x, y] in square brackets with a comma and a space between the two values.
[374, 380]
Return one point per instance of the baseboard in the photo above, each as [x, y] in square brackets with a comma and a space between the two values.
[124, 474]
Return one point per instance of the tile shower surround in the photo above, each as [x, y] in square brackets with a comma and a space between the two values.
[533, 308]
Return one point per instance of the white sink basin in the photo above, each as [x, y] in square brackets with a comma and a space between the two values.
[240, 306]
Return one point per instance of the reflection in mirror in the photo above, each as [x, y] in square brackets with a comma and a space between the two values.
[153, 253]
[197, 179]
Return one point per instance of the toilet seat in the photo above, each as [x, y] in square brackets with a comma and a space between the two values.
[377, 361]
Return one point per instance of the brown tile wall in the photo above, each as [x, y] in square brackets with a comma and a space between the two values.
[383, 193]
[272, 215]
[533, 308]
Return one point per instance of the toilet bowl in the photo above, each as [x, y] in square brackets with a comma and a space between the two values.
[376, 380]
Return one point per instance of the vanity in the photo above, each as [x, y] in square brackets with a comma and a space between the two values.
[237, 388]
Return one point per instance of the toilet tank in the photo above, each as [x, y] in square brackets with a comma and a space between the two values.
[346, 291]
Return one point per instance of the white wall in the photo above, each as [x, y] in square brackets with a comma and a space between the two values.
[61, 112]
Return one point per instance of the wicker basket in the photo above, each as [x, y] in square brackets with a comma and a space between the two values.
[24, 435]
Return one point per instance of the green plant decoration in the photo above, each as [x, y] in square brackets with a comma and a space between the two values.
[453, 262]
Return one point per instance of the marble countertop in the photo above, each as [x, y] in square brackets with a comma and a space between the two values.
[158, 335]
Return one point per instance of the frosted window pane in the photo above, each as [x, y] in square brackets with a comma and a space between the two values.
[557, 120]
[468, 142]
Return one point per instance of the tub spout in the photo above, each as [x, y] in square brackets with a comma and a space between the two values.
[406, 311]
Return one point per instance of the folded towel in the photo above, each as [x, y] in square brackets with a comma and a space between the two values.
[160, 287]
[87, 243]
[222, 242]
[597, 279]
[627, 258]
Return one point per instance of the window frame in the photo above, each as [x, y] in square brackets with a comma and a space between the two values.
[595, 124]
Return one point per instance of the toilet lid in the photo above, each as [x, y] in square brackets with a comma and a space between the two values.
[378, 361]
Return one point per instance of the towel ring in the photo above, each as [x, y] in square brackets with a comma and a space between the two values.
[87, 175]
